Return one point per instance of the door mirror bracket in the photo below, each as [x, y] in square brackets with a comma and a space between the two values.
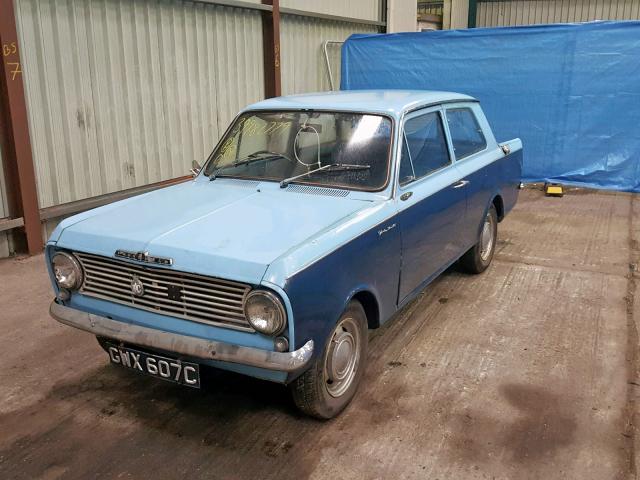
[195, 168]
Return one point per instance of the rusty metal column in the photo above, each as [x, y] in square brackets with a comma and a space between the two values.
[271, 46]
[21, 174]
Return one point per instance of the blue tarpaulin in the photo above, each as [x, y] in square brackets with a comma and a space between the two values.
[571, 92]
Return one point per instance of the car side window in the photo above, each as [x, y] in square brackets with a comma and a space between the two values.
[466, 134]
[424, 148]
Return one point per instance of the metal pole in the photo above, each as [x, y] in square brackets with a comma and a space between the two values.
[271, 48]
[16, 130]
[473, 13]
[326, 59]
[384, 14]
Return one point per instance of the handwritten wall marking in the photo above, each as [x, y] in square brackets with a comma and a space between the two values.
[9, 49]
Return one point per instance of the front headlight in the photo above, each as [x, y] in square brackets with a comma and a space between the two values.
[67, 270]
[265, 312]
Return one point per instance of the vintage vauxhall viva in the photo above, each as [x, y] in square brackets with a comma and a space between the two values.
[316, 218]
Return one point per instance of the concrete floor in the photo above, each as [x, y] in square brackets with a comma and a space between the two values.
[526, 371]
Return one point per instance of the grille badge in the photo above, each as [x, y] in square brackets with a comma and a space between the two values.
[144, 257]
[137, 287]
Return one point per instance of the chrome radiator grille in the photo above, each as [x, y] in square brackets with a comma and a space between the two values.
[178, 294]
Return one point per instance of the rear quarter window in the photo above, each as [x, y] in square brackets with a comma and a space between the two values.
[466, 134]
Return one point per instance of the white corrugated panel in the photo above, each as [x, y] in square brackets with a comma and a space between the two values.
[126, 93]
[528, 12]
[361, 9]
[459, 13]
[303, 64]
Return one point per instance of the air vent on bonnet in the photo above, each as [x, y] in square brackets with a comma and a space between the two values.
[238, 182]
[310, 190]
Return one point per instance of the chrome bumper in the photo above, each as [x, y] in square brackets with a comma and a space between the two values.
[173, 342]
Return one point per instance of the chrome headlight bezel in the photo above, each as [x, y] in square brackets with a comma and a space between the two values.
[74, 264]
[276, 302]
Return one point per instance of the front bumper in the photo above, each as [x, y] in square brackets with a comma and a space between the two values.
[182, 344]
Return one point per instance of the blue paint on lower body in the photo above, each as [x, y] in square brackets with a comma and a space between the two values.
[320, 292]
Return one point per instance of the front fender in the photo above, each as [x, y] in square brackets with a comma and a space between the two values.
[320, 292]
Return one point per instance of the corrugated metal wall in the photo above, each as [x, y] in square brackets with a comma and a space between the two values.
[361, 9]
[527, 12]
[459, 14]
[303, 63]
[430, 7]
[126, 93]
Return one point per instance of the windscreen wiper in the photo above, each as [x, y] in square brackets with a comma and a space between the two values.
[254, 157]
[333, 167]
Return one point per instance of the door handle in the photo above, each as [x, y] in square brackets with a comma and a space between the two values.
[460, 184]
[406, 196]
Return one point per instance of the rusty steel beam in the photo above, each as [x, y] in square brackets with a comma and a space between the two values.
[271, 49]
[10, 223]
[327, 16]
[21, 173]
[78, 206]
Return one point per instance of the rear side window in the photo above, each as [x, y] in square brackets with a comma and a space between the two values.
[425, 147]
[466, 135]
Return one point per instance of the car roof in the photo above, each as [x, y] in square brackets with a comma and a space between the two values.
[394, 102]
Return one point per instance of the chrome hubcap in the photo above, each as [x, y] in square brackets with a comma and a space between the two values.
[486, 238]
[343, 356]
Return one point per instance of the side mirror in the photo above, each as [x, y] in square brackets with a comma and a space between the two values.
[195, 168]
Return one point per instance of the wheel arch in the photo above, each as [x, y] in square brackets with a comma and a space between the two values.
[498, 202]
[370, 304]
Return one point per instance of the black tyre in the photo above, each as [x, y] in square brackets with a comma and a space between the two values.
[479, 257]
[329, 385]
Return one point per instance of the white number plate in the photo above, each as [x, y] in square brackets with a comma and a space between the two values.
[170, 369]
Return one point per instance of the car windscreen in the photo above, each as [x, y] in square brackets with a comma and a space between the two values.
[336, 149]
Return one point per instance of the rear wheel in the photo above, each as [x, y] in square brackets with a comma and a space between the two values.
[479, 257]
[328, 386]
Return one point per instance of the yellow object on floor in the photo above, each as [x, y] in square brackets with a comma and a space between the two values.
[553, 190]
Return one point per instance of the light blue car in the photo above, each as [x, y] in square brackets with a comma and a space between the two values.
[316, 218]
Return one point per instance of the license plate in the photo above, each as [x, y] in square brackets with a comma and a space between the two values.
[169, 369]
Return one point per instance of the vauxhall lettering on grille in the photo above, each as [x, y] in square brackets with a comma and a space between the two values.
[144, 257]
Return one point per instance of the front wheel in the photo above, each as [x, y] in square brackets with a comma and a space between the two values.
[479, 257]
[328, 386]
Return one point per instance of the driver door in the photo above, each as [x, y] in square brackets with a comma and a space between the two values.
[431, 201]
